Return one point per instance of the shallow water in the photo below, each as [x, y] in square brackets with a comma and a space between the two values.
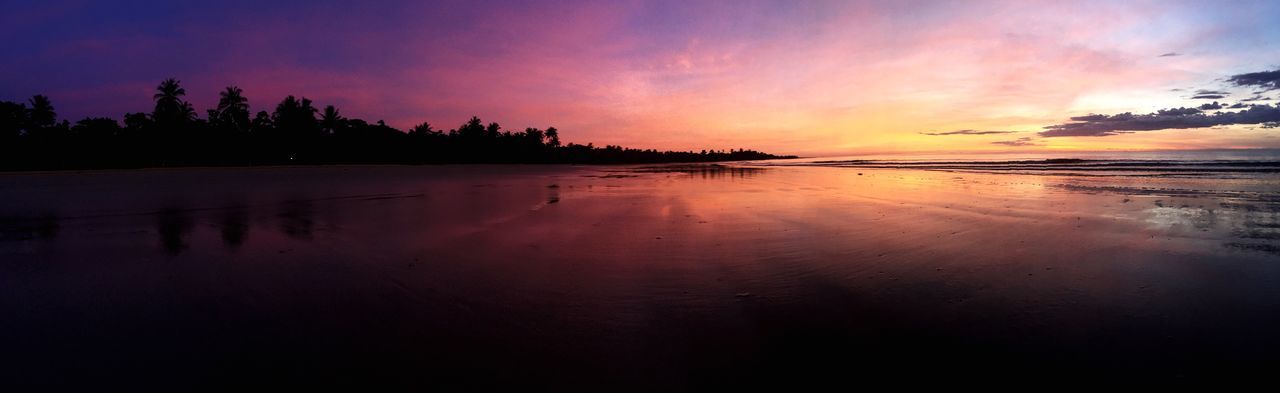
[670, 277]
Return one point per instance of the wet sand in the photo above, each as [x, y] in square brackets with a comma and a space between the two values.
[631, 278]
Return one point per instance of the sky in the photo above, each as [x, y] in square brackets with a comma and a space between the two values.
[793, 77]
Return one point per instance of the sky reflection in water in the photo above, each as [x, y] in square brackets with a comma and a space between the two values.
[549, 271]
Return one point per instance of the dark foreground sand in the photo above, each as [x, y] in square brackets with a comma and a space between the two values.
[674, 278]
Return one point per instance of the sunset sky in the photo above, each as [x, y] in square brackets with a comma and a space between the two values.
[794, 77]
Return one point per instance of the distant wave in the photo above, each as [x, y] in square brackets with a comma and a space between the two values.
[1066, 166]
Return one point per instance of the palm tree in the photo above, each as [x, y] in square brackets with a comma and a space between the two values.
[232, 110]
[472, 129]
[424, 129]
[186, 112]
[42, 114]
[232, 99]
[170, 109]
[307, 109]
[330, 120]
[169, 94]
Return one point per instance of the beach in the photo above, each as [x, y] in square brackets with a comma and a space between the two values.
[666, 277]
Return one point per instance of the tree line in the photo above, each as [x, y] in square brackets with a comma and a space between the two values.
[295, 132]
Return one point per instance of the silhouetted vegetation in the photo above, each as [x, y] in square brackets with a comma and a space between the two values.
[294, 132]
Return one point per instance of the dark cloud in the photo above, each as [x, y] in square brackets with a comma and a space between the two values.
[1171, 54]
[1025, 141]
[1203, 94]
[1167, 119]
[1238, 105]
[1267, 80]
[1177, 111]
[968, 132]
[1256, 98]
[1211, 106]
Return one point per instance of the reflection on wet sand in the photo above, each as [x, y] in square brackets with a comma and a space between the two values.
[1246, 220]
[706, 171]
[234, 224]
[1242, 219]
[1243, 225]
[172, 227]
[493, 276]
[294, 219]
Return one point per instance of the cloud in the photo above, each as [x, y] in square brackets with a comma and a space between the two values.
[1025, 141]
[1256, 98]
[1238, 105]
[1211, 106]
[1203, 94]
[1170, 54]
[1267, 80]
[1167, 119]
[968, 132]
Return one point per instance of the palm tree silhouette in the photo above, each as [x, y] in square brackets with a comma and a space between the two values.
[232, 99]
[330, 120]
[170, 109]
[232, 110]
[424, 129]
[41, 113]
[186, 112]
[169, 93]
[307, 109]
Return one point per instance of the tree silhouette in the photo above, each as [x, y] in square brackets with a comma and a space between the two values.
[424, 129]
[553, 137]
[295, 128]
[330, 120]
[295, 117]
[172, 134]
[261, 123]
[472, 130]
[137, 123]
[42, 114]
[232, 113]
[186, 113]
[99, 128]
[533, 137]
[170, 110]
[13, 120]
